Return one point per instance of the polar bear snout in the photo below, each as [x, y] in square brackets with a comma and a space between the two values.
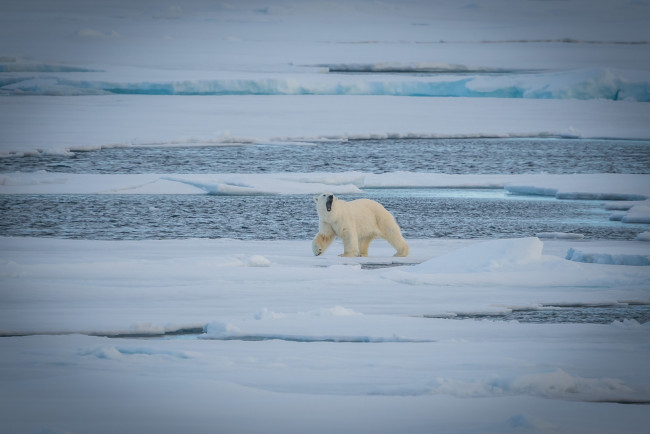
[326, 199]
[328, 203]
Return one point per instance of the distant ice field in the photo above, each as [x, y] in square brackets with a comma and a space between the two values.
[453, 156]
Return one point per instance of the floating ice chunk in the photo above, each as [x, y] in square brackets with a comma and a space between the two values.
[265, 313]
[629, 324]
[620, 205]
[531, 190]
[604, 186]
[614, 257]
[559, 235]
[643, 236]
[258, 261]
[106, 353]
[221, 330]
[638, 213]
[617, 216]
[336, 311]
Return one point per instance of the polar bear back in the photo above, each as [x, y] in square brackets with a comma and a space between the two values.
[370, 217]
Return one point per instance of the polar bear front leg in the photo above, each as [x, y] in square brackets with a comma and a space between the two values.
[350, 243]
[321, 242]
[323, 238]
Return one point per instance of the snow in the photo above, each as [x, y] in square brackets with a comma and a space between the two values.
[519, 262]
[488, 256]
[372, 353]
[258, 261]
[293, 342]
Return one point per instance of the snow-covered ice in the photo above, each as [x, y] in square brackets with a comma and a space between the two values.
[137, 120]
[371, 345]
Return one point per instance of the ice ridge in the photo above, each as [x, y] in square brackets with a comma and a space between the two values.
[586, 84]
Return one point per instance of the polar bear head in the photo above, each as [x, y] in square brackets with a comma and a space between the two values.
[324, 202]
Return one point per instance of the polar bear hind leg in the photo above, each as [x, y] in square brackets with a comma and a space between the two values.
[394, 237]
[363, 245]
[402, 248]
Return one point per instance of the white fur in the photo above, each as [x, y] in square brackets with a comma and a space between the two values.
[357, 223]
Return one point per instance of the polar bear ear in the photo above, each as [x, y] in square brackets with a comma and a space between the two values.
[316, 198]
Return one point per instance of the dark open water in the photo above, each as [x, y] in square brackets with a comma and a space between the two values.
[422, 213]
[456, 156]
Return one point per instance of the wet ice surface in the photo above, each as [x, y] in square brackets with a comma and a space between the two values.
[577, 314]
[548, 314]
[564, 314]
[454, 156]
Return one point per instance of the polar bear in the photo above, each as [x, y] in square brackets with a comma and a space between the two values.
[357, 223]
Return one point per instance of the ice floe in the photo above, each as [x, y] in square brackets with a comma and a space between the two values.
[638, 256]
[633, 187]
